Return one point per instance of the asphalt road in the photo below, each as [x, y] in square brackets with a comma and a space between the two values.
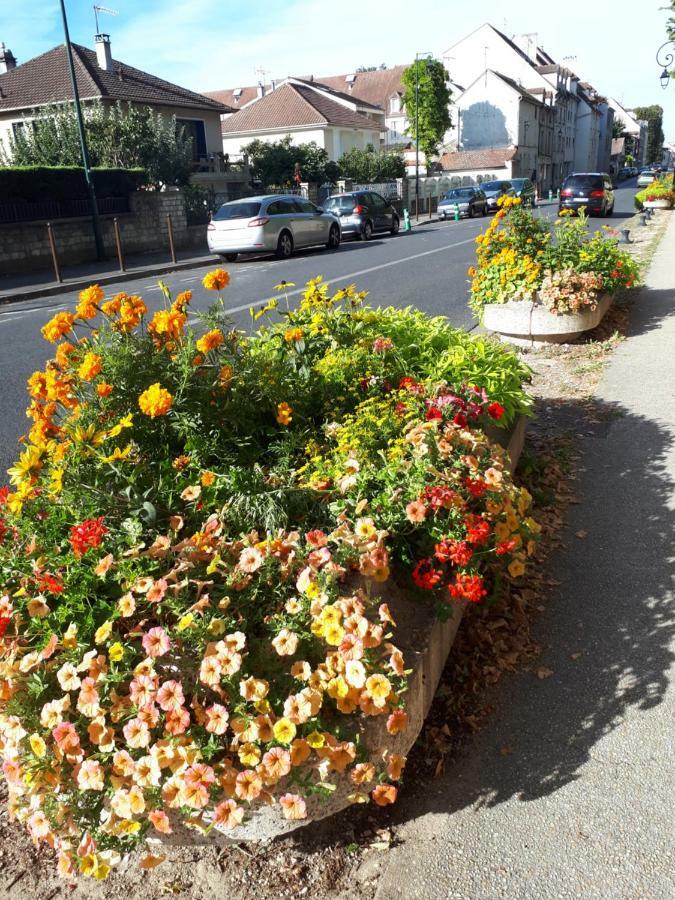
[425, 268]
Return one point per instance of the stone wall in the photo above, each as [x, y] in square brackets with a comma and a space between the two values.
[24, 247]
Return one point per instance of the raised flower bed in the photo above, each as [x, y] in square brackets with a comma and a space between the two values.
[658, 195]
[532, 285]
[231, 567]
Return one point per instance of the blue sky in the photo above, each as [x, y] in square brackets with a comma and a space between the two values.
[206, 44]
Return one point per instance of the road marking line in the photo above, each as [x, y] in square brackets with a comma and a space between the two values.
[352, 275]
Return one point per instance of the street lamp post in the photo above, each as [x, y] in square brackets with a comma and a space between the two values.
[93, 205]
[418, 56]
[665, 58]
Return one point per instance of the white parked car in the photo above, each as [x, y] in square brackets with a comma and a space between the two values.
[645, 178]
[277, 223]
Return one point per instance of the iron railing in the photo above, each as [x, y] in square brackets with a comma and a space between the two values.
[29, 211]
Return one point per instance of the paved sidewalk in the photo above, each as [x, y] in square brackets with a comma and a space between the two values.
[583, 805]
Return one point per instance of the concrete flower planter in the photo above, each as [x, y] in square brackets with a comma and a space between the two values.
[527, 324]
[425, 643]
[659, 203]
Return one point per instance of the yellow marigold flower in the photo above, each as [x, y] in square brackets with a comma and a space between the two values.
[207, 479]
[284, 731]
[90, 366]
[210, 340]
[90, 297]
[284, 414]
[293, 335]
[225, 376]
[216, 280]
[58, 326]
[63, 352]
[180, 462]
[471, 271]
[155, 401]
[132, 311]
[168, 324]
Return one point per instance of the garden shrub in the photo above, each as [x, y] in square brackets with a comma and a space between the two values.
[519, 253]
[188, 628]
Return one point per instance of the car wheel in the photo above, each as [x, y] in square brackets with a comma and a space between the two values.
[230, 257]
[472, 212]
[485, 209]
[284, 245]
[395, 225]
[333, 238]
[367, 232]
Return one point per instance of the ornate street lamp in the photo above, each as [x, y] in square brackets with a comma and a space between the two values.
[665, 58]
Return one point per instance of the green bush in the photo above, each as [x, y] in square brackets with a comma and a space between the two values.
[36, 183]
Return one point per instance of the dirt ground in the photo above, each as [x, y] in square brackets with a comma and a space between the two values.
[340, 858]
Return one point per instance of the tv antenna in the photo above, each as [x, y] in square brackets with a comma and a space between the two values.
[262, 74]
[103, 9]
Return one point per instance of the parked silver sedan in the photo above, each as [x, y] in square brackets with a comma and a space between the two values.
[278, 223]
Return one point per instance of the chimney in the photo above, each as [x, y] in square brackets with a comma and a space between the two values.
[274, 84]
[103, 54]
[7, 59]
[260, 90]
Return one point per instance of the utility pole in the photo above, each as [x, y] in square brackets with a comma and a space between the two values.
[93, 205]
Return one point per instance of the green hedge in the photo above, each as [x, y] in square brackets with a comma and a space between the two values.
[36, 183]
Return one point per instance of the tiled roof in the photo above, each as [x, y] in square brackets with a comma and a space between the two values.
[46, 79]
[232, 98]
[334, 84]
[371, 87]
[352, 98]
[292, 106]
[476, 159]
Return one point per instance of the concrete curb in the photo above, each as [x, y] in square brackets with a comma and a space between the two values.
[425, 643]
[66, 287]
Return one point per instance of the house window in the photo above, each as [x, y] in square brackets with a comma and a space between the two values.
[194, 128]
[395, 104]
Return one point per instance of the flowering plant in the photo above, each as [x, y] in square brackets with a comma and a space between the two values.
[519, 255]
[659, 189]
[188, 622]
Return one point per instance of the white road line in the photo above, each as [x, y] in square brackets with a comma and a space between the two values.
[352, 275]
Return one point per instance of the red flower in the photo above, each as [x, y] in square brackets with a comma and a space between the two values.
[409, 384]
[3, 530]
[477, 530]
[48, 582]
[425, 575]
[457, 552]
[4, 494]
[496, 410]
[87, 534]
[505, 547]
[433, 413]
[460, 419]
[438, 497]
[470, 587]
[4, 622]
[475, 487]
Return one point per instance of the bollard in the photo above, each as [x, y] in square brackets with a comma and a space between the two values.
[456, 212]
[118, 244]
[650, 212]
[643, 219]
[55, 258]
[625, 236]
[550, 194]
[406, 221]
[557, 194]
[171, 245]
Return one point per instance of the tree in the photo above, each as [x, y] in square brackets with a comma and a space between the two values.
[371, 166]
[382, 67]
[653, 115]
[118, 136]
[276, 163]
[618, 127]
[434, 101]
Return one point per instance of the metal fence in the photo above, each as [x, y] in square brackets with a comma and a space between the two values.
[27, 211]
[390, 190]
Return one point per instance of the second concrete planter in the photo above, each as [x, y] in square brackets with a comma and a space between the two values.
[528, 323]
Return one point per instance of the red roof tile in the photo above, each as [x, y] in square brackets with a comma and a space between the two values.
[476, 159]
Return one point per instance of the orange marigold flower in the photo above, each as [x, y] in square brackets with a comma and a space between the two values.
[207, 479]
[155, 401]
[90, 297]
[210, 341]
[104, 389]
[180, 462]
[182, 301]
[292, 335]
[225, 376]
[90, 366]
[216, 280]
[132, 311]
[58, 326]
[284, 414]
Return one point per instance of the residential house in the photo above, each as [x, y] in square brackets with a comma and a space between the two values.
[588, 125]
[634, 129]
[475, 166]
[618, 156]
[495, 113]
[45, 80]
[306, 111]
[564, 82]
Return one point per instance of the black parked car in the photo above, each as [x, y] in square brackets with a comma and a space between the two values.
[592, 190]
[362, 213]
[493, 190]
[526, 190]
[470, 201]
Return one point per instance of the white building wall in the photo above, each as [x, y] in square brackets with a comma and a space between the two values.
[233, 144]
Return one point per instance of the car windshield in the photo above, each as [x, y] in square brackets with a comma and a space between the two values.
[519, 183]
[237, 211]
[459, 194]
[584, 183]
[492, 185]
[344, 201]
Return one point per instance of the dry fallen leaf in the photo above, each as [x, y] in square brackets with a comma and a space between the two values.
[151, 862]
[505, 749]
[575, 655]
[542, 672]
[581, 534]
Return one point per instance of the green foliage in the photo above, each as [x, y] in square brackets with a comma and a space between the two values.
[119, 135]
[36, 183]
[427, 79]
[653, 115]
[618, 127]
[277, 163]
[371, 166]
